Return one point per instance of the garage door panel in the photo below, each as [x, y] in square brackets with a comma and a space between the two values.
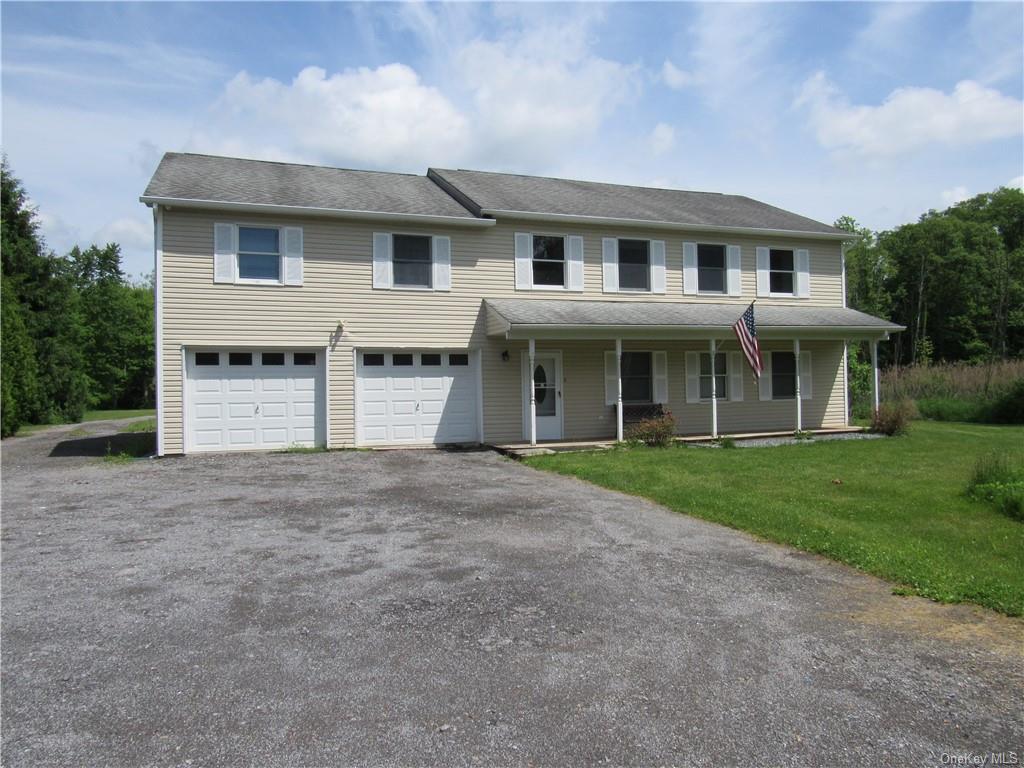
[254, 407]
[416, 403]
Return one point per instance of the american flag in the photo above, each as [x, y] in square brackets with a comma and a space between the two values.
[746, 332]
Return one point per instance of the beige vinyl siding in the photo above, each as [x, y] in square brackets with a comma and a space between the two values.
[337, 267]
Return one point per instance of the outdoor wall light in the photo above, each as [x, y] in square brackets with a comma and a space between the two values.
[504, 356]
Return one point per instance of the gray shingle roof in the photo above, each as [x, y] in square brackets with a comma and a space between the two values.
[256, 182]
[693, 314]
[534, 194]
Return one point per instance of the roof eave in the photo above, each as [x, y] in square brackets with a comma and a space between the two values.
[654, 224]
[297, 210]
[520, 331]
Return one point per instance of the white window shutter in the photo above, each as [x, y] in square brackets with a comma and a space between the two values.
[763, 265]
[610, 263]
[690, 268]
[574, 247]
[659, 365]
[693, 377]
[381, 260]
[805, 375]
[224, 255]
[524, 261]
[803, 273]
[292, 255]
[442, 263]
[611, 379]
[737, 367]
[764, 384]
[657, 266]
[733, 273]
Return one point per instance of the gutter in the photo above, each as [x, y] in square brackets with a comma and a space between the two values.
[298, 210]
[651, 224]
[682, 327]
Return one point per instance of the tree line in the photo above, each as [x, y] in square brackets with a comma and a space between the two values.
[76, 332]
[954, 278]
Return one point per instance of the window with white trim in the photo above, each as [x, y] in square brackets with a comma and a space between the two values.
[781, 272]
[637, 377]
[783, 376]
[721, 376]
[548, 261]
[412, 261]
[711, 266]
[634, 265]
[259, 254]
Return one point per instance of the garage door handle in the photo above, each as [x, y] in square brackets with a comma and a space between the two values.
[417, 406]
[257, 409]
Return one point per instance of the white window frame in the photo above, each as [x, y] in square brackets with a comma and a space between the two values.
[719, 394]
[394, 285]
[725, 271]
[772, 294]
[239, 226]
[650, 270]
[565, 262]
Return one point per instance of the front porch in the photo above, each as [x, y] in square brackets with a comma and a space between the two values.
[584, 366]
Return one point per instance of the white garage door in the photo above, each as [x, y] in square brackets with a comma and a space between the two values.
[416, 397]
[254, 399]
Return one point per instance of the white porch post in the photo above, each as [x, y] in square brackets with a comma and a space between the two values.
[799, 402]
[714, 394]
[618, 382]
[846, 383]
[874, 374]
[533, 394]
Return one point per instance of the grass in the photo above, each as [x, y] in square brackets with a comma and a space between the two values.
[303, 449]
[121, 414]
[147, 425]
[900, 511]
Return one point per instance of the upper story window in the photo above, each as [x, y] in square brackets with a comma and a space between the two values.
[711, 269]
[548, 261]
[243, 253]
[634, 265]
[259, 254]
[412, 261]
[721, 376]
[781, 271]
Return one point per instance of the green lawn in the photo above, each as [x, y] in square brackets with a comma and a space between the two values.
[124, 414]
[900, 511]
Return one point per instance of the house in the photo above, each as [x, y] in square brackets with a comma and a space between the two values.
[318, 306]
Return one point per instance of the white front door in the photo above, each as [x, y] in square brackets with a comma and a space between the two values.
[546, 379]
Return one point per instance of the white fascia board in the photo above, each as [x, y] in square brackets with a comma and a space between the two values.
[651, 224]
[298, 210]
[537, 331]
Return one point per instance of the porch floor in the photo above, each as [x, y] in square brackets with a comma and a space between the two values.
[521, 450]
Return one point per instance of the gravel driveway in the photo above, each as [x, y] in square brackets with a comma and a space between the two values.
[423, 607]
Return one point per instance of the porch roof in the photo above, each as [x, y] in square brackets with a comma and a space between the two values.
[559, 318]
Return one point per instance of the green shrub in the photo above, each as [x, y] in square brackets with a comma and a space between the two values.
[725, 441]
[659, 430]
[894, 418]
[999, 480]
[1009, 407]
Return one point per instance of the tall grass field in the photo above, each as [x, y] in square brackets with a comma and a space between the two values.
[987, 392]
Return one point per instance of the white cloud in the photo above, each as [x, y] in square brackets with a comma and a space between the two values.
[662, 138]
[1017, 183]
[377, 117]
[910, 118]
[676, 78]
[132, 233]
[954, 195]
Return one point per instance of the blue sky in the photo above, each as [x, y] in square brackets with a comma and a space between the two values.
[880, 111]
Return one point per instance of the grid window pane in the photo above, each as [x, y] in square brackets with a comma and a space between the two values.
[272, 358]
[207, 358]
[411, 261]
[781, 260]
[783, 375]
[402, 359]
[373, 359]
[548, 260]
[259, 266]
[711, 268]
[258, 240]
[430, 359]
[458, 359]
[721, 376]
[637, 384]
[412, 274]
[305, 358]
[780, 278]
[781, 282]
[240, 358]
[548, 248]
[548, 272]
[634, 265]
